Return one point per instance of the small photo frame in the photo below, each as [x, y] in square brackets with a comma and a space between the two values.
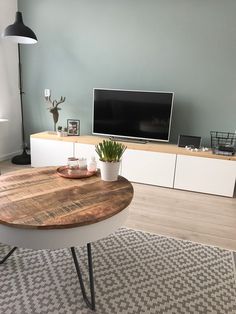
[73, 127]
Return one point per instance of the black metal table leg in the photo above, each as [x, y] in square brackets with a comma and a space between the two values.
[8, 255]
[90, 304]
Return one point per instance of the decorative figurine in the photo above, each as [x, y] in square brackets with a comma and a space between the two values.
[54, 108]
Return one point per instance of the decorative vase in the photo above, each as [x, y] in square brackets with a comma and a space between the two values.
[109, 170]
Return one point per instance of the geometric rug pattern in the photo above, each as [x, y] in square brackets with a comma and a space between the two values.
[135, 272]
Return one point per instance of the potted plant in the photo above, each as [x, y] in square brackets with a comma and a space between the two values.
[110, 153]
[59, 130]
[65, 131]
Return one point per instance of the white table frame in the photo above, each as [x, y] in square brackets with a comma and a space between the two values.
[61, 238]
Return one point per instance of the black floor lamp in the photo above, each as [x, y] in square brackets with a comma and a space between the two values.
[20, 34]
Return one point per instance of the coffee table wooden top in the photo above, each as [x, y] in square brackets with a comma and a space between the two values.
[38, 198]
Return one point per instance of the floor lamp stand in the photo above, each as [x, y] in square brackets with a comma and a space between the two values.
[24, 158]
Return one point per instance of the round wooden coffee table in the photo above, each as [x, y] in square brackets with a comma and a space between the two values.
[41, 210]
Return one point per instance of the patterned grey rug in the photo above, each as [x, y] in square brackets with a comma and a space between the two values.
[135, 272]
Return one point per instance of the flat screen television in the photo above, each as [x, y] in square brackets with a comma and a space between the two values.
[132, 114]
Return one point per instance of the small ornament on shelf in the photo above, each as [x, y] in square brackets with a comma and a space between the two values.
[59, 130]
[53, 106]
[65, 131]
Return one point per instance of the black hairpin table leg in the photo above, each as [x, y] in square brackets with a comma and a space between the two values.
[90, 304]
[8, 255]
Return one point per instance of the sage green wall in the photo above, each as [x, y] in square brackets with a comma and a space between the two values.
[185, 46]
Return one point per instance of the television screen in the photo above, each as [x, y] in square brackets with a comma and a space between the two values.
[143, 115]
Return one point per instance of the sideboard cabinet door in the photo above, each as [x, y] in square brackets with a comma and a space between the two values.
[149, 167]
[49, 152]
[207, 175]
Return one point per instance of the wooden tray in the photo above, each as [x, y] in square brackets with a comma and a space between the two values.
[74, 174]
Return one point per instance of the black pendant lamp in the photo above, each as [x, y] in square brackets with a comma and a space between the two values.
[20, 34]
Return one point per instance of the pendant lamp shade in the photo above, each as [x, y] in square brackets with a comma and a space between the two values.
[19, 33]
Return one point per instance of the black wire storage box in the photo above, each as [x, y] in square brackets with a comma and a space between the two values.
[223, 143]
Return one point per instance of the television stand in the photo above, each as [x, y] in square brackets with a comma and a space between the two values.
[160, 164]
[129, 140]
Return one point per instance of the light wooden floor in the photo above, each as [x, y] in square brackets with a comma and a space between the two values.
[202, 218]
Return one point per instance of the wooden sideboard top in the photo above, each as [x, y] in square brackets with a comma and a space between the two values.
[152, 147]
[38, 198]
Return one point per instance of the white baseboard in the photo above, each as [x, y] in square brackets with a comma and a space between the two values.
[10, 155]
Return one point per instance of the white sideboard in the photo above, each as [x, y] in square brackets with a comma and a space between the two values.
[159, 164]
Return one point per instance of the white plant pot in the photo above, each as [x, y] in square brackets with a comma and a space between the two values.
[61, 133]
[109, 170]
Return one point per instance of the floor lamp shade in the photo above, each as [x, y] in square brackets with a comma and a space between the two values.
[20, 34]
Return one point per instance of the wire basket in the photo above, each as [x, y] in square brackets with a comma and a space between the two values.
[223, 143]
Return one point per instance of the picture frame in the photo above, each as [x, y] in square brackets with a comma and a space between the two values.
[73, 127]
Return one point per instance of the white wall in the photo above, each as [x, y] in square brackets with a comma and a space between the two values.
[10, 132]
